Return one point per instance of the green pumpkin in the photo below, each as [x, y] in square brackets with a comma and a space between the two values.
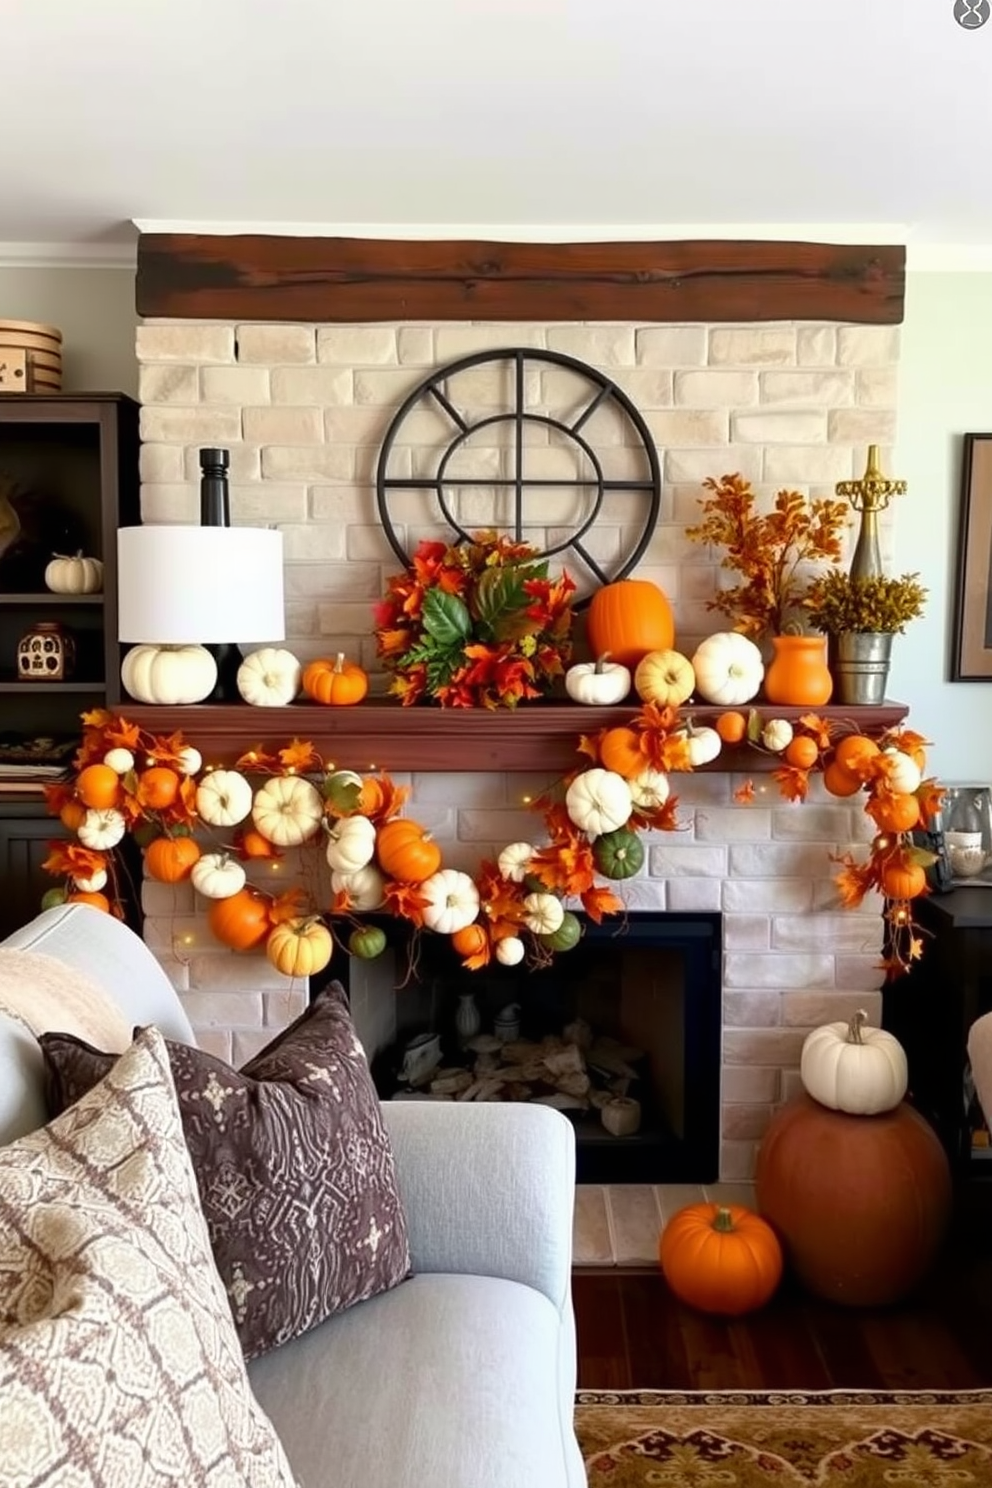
[52, 897]
[568, 934]
[618, 854]
[367, 942]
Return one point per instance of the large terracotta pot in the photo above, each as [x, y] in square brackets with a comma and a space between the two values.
[860, 1203]
[799, 673]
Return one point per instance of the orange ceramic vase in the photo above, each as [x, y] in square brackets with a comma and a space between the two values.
[799, 673]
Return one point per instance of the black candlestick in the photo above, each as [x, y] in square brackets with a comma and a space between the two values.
[215, 500]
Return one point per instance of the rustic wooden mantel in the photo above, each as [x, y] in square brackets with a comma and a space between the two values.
[272, 278]
[539, 738]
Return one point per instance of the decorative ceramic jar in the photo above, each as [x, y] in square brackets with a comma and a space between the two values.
[799, 674]
[468, 1019]
[46, 654]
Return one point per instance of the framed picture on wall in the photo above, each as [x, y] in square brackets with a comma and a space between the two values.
[971, 654]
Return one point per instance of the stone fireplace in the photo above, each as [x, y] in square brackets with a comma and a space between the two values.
[303, 408]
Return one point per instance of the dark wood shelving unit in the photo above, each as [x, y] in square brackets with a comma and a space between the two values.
[47, 597]
[539, 737]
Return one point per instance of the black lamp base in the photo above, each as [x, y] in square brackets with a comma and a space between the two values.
[228, 658]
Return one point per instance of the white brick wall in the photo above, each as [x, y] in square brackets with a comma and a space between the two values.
[303, 410]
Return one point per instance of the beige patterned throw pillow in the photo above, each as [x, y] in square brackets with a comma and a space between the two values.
[119, 1363]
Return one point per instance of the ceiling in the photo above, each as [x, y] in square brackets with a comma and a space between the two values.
[527, 116]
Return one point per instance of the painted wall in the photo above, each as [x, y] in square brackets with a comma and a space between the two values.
[94, 310]
[945, 391]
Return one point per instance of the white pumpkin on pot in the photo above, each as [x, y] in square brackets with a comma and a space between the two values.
[223, 798]
[169, 675]
[852, 1067]
[287, 810]
[270, 677]
[598, 683]
[74, 575]
[598, 801]
[451, 901]
[218, 876]
[350, 843]
[728, 669]
[665, 677]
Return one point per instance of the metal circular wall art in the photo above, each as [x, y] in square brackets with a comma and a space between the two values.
[583, 481]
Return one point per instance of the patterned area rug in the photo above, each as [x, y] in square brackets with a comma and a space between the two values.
[835, 1439]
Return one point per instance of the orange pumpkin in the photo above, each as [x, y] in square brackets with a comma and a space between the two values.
[72, 814]
[854, 752]
[241, 922]
[619, 750]
[894, 811]
[98, 786]
[337, 682]
[802, 752]
[158, 787]
[628, 619]
[371, 796]
[902, 878]
[98, 901]
[731, 726]
[254, 845]
[407, 851]
[470, 940]
[171, 859]
[720, 1258]
[840, 782]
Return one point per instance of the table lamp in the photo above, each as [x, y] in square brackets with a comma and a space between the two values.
[184, 588]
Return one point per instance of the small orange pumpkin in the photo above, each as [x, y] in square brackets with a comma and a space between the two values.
[854, 752]
[338, 682]
[158, 787]
[620, 751]
[253, 845]
[802, 752]
[98, 901]
[72, 814]
[98, 786]
[731, 726]
[241, 921]
[407, 851]
[470, 940]
[902, 878]
[839, 781]
[171, 859]
[720, 1258]
[629, 618]
[894, 811]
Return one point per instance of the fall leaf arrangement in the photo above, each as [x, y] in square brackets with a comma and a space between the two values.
[771, 551]
[216, 826]
[839, 602]
[475, 624]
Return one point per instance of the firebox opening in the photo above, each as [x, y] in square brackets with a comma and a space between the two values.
[622, 1034]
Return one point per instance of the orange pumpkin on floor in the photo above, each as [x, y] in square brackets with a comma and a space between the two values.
[720, 1258]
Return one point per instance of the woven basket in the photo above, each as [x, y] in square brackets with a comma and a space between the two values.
[42, 347]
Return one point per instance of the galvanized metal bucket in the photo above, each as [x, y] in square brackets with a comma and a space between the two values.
[860, 664]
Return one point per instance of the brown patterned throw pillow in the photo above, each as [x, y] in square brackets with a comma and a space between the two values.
[294, 1168]
[119, 1363]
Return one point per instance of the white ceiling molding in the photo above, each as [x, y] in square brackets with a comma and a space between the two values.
[68, 255]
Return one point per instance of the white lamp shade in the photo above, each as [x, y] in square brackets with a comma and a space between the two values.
[179, 585]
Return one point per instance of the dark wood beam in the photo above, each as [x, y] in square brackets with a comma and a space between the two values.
[369, 279]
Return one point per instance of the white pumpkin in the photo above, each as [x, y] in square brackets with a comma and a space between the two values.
[350, 843]
[451, 901]
[223, 798]
[543, 913]
[287, 810]
[728, 669]
[902, 773]
[76, 575]
[665, 677]
[93, 884]
[169, 675]
[704, 745]
[269, 677]
[514, 861]
[119, 760]
[649, 790]
[598, 683]
[101, 830]
[777, 734]
[598, 801]
[190, 760]
[218, 876]
[851, 1067]
[365, 888]
[510, 950]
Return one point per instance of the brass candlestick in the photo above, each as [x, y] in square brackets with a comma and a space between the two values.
[869, 496]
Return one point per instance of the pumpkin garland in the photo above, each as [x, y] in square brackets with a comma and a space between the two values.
[381, 860]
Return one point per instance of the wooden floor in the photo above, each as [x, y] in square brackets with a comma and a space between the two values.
[633, 1334]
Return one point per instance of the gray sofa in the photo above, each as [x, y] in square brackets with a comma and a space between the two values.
[463, 1376]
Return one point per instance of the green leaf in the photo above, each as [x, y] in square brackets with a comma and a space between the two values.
[446, 617]
[754, 726]
[500, 594]
[921, 856]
